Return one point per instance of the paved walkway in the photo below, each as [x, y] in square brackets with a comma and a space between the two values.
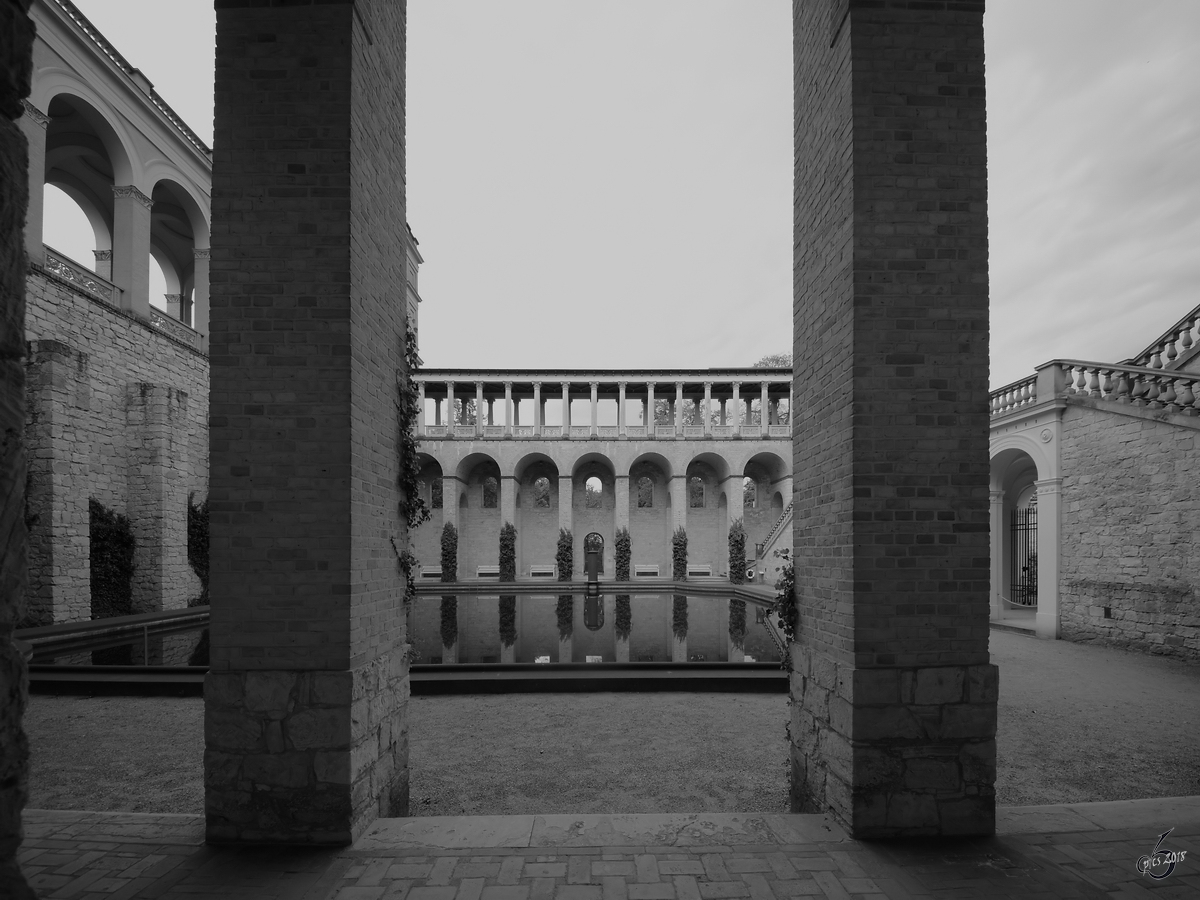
[1066, 851]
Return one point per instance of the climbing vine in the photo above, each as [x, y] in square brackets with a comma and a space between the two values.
[111, 546]
[508, 572]
[679, 557]
[449, 575]
[197, 545]
[565, 609]
[623, 614]
[785, 605]
[413, 511]
[737, 575]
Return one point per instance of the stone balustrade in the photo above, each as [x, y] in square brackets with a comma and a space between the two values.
[1176, 343]
[174, 328]
[1014, 396]
[1156, 388]
[66, 269]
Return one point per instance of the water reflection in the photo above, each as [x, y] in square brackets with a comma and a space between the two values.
[608, 628]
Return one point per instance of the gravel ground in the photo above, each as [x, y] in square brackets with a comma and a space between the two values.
[1076, 723]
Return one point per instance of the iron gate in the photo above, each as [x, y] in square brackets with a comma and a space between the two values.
[1022, 573]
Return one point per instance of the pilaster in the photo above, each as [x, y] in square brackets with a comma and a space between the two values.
[33, 125]
[1049, 517]
[200, 294]
[131, 248]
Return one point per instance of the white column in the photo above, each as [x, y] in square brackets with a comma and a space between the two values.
[678, 502]
[565, 503]
[478, 407]
[707, 407]
[621, 501]
[421, 408]
[764, 411]
[450, 500]
[131, 248]
[508, 499]
[678, 407]
[103, 266]
[1049, 502]
[450, 419]
[997, 546]
[650, 409]
[200, 294]
[539, 412]
[595, 420]
[621, 412]
[566, 408]
[174, 306]
[509, 421]
[33, 125]
[737, 411]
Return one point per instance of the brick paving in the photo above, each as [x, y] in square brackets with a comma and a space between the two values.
[1067, 851]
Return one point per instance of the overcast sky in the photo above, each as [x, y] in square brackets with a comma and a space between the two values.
[609, 184]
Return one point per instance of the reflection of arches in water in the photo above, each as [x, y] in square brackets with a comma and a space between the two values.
[594, 541]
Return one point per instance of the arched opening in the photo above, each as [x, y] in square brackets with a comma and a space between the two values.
[594, 543]
[749, 493]
[695, 492]
[1014, 535]
[645, 492]
[175, 223]
[593, 489]
[541, 492]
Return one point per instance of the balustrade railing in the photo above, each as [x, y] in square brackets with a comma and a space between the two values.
[1174, 343]
[1014, 396]
[1174, 391]
[174, 328]
[86, 280]
[605, 432]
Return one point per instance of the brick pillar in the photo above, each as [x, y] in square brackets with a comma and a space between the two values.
[895, 703]
[679, 500]
[508, 499]
[59, 554]
[621, 502]
[621, 408]
[450, 500]
[15, 66]
[156, 419]
[305, 703]
[566, 494]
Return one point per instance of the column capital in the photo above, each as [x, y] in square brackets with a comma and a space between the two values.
[102, 255]
[201, 253]
[595, 385]
[121, 191]
[35, 115]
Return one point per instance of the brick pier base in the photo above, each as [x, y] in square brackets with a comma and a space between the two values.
[894, 701]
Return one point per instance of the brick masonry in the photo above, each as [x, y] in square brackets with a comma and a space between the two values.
[893, 719]
[117, 411]
[1130, 523]
[16, 41]
[306, 737]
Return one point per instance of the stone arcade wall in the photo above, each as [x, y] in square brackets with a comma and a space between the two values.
[117, 411]
[16, 42]
[1130, 526]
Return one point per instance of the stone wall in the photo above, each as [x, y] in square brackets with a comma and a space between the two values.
[1129, 572]
[118, 412]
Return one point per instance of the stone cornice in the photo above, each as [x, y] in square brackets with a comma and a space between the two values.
[34, 114]
[121, 191]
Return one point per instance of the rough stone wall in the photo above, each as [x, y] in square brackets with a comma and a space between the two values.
[94, 374]
[1130, 525]
[16, 42]
[306, 735]
[894, 713]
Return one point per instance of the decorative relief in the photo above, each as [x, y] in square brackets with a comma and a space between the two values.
[121, 191]
[1047, 435]
[201, 253]
[174, 328]
[102, 255]
[81, 278]
[35, 115]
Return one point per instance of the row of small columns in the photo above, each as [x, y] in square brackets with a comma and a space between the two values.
[126, 263]
[539, 402]
[677, 486]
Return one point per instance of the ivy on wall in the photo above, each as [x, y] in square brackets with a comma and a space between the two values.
[111, 544]
[449, 575]
[508, 572]
[679, 557]
[413, 511]
[622, 553]
[565, 609]
[785, 606]
[737, 575]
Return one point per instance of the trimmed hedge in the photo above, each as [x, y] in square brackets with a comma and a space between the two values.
[622, 553]
[111, 544]
[449, 625]
[508, 572]
[737, 575]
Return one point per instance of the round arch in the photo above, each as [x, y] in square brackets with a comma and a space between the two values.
[58, 88]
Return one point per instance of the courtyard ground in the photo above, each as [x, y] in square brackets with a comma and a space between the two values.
[1077, 723]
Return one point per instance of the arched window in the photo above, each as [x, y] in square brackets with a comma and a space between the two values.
[491, 493]
[593, 493]
[749, 493]
[645, 493]
[696, 492]
[435, 494]
[541, 493]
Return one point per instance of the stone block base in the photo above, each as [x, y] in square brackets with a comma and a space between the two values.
[305, 757]
[621, 650]
[737, 654]
[565, 649]
[679, 650]
[896, 752]
[508, 654]
[450, 654]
